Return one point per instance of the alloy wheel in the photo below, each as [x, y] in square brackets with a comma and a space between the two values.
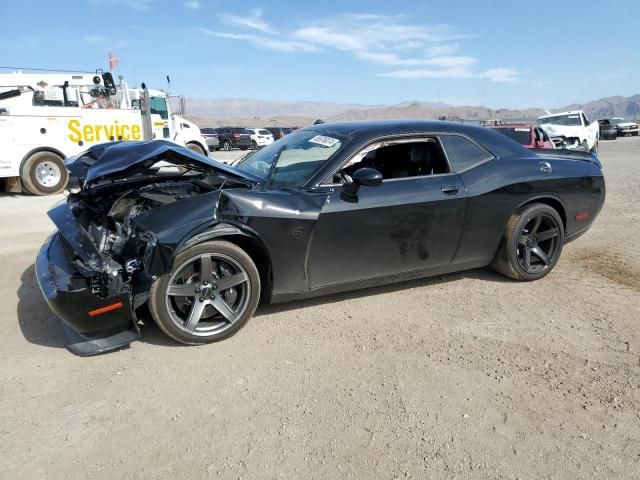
[538, 244]
[207, 294]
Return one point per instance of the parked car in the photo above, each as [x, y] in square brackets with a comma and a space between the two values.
[608, 129]
[339, 206]
[529, 136]
[625, 128]
[211, 137]
[573, 129]
[260, 137]
[233, 137]
[279, 132]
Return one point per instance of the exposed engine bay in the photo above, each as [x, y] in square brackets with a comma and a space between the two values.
[108, 215]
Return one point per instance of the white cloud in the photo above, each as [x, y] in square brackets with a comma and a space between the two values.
[502, 75]
[425, 51]
[105, 42]
[253, 21]
[192, 4]
[459, 71]
[270, 43]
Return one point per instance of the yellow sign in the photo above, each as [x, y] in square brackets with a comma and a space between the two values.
[103, 133]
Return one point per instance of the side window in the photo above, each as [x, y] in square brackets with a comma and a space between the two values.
[158, 106]
[462, 153]
[402, 159]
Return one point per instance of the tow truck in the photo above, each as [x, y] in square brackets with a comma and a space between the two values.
[47, 117]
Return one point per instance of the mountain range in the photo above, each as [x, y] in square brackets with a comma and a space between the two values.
[247, 111]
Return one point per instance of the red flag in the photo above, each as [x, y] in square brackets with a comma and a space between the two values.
[113, 61]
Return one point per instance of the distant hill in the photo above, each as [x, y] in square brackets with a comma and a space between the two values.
[251, 112]
[222, 108]
[426, 110]
[626, 107]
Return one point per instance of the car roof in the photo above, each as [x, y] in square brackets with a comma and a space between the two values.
[391, 127]
[365, 130]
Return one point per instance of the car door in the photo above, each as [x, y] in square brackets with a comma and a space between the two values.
[401, 225]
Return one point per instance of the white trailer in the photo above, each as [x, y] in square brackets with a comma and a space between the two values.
[45, 118]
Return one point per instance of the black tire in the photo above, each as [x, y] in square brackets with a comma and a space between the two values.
[595, 147]
[520, 239]
[44, 173]
[227, 146]
[254, 145]
[164, 312]
[194, 147]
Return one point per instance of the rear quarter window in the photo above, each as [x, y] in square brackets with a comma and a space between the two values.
[462, 152]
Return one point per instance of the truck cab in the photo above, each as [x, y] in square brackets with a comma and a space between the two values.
[46, 118]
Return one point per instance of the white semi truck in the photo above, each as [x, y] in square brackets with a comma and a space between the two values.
[45, 118]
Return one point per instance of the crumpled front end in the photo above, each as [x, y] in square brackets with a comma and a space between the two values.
[95, 310]
[112, 243]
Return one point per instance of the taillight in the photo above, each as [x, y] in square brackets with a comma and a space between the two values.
[235, 135]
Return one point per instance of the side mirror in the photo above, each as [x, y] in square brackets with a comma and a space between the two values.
[367, 177]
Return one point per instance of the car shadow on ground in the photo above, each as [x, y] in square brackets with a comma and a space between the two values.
[38, 323]
[480, 274]
[40, 326]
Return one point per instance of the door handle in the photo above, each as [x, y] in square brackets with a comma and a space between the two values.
[450, 189]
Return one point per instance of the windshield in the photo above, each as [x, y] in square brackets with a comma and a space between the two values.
[522, 135]
[294, 159]
[618, 121]
[566, 120]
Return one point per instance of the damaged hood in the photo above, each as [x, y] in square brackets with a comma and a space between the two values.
[118, 160]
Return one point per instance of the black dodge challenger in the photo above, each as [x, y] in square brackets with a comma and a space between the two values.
[329, 208]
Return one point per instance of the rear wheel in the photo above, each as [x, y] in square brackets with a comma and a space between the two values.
[210, 294]
[194, 147]
[531, 244]
[44, 173]
[227, 146]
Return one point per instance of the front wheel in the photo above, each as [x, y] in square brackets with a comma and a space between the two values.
[254, 145]
[210, 294]
[227, 146]
[531, 243]
[44, 173]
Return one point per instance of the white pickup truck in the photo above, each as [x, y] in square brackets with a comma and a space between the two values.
[573, 128]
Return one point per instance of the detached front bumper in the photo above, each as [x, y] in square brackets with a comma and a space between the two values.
[93, 324]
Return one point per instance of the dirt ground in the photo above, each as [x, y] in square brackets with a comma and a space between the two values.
[467, 375]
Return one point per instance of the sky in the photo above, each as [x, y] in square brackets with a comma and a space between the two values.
[464, 52]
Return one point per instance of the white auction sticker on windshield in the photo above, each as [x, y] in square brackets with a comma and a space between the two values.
[324, 141]
[522, 129]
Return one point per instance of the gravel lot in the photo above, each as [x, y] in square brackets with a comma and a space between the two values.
[460, 376]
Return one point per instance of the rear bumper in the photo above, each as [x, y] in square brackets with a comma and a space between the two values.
[241, 142]
[263, 142]
[70, 297]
